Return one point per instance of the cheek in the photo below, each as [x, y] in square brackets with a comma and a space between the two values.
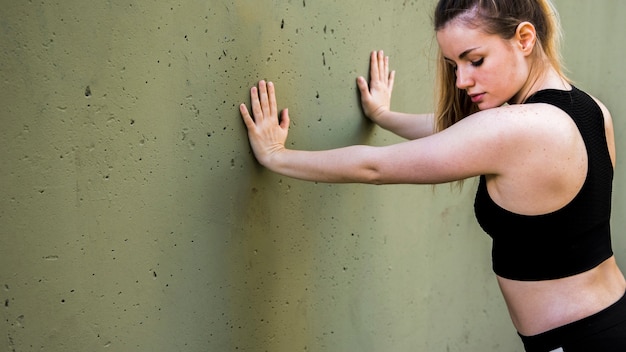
[514, 71]
[507, 77]
[518, 74]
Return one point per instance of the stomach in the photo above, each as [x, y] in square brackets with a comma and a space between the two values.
[540, 306]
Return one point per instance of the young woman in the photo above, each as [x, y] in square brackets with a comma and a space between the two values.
[543, 149]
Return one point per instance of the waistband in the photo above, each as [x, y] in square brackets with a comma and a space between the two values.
[593, 324]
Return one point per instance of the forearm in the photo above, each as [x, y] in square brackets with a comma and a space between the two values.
[409, 126]
[353, 164]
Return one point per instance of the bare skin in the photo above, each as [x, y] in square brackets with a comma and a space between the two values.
[539, 306]
[510, 144]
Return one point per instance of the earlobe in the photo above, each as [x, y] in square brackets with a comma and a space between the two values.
[526, 37]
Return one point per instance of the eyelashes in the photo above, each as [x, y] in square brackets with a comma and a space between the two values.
[478, 62]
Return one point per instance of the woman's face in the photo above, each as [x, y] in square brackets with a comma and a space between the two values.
[490, 69]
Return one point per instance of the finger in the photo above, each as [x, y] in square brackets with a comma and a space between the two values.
[245, 114]
[272, 99]
[392, 78]
[374, 66]
[265, 107]
[284, 119]
[386, 67]
[363, 87]
[256, 105]
[381, 66]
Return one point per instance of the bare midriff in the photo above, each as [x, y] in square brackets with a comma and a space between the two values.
[539, 306]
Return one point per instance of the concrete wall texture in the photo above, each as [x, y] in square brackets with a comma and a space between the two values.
[133, 216]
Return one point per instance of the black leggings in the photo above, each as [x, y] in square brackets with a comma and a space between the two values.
[604, 331]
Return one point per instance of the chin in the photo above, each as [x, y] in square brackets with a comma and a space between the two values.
[483, 105]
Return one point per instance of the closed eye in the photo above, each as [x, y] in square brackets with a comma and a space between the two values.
[478, 62]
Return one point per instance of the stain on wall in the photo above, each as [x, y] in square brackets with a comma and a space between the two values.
[133, 216]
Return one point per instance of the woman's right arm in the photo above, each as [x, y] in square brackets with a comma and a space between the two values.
[376, 102]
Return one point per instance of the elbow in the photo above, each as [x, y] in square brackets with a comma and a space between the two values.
[378, 169]
[370, 166]
[372, 175]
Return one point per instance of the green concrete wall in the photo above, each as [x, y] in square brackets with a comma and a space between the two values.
[133, 216]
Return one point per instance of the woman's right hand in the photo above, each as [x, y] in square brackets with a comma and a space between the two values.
[376, 97]
[267, 131]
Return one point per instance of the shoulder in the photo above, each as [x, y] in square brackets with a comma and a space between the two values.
[520, 122]
[535, 112]
[524, 134]
[490, 142]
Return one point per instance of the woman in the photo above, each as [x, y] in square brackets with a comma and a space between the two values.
[543, 149]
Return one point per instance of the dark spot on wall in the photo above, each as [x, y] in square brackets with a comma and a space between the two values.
[6, 303]
[282, 24]
[87, 91]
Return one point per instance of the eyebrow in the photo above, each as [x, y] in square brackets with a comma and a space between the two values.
[467, 52]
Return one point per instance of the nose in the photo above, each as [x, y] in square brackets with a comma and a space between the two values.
[463, 79]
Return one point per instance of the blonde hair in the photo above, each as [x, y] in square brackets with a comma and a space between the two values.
[499, 17]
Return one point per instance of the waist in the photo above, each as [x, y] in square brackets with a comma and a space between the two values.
[606, 325]
[539, 306]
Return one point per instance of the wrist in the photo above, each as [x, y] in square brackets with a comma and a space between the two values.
[271, 159]
[380, 115]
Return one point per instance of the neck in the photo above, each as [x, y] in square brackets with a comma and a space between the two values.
[540, 79]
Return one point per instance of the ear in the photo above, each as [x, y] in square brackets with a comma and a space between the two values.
[526, 37]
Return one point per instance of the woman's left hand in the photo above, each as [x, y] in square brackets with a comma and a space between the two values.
[266, 132]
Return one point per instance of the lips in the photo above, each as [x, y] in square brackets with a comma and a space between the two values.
[477, 97]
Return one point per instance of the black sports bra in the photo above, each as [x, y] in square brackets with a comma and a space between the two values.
[571, 240]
